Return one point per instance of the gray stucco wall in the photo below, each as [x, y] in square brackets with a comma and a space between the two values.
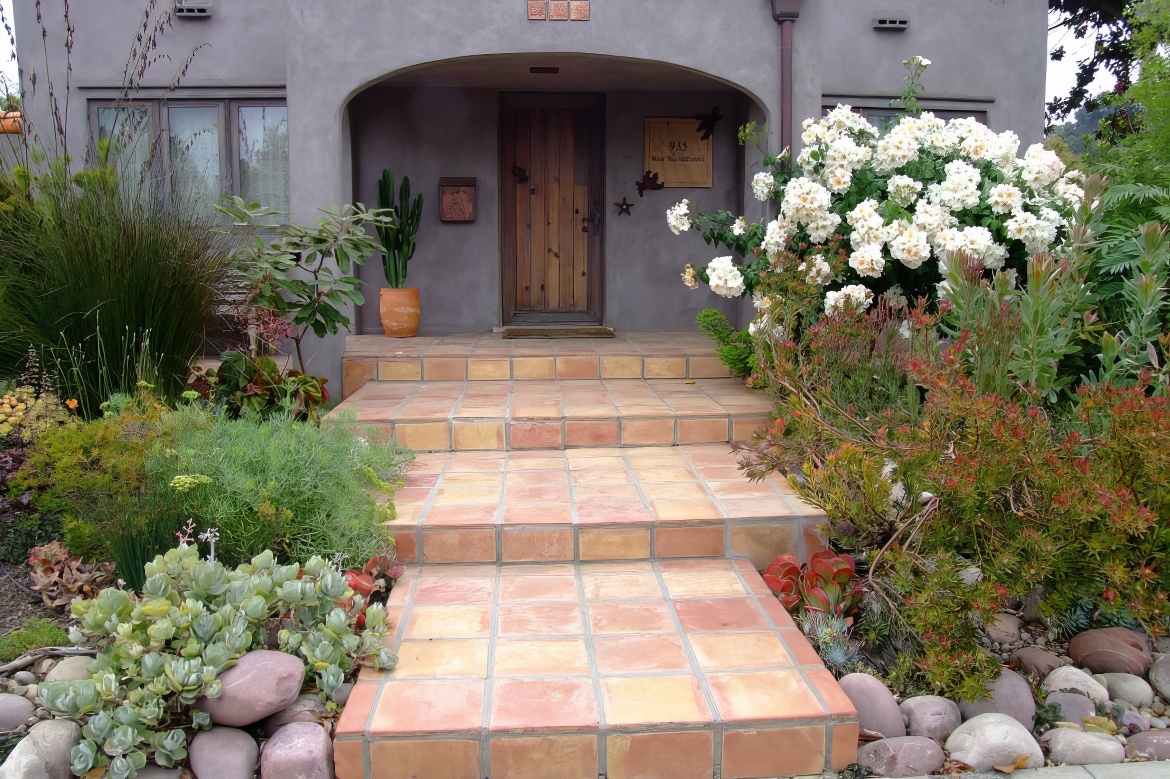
[321, 53]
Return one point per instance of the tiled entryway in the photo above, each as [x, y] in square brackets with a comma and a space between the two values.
[688, 669]
[583, 598]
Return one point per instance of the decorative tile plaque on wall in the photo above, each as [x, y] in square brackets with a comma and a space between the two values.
[677, 151]
[558, 10]
[457, 199]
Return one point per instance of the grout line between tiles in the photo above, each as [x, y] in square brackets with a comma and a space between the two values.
[595, 676]
[488, 686]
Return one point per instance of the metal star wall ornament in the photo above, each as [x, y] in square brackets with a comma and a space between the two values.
[624, 207]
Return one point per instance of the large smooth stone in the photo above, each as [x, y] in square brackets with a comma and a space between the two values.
[1075, 747]
[1067, 678]
[305, 708]
[261, 684]
[1036, 662]
[1004, 629]
[1010, 695]
[876, 708]
[1074, 707]
[931, 716]
[44, 752]
[902, 756]
[15, 711]
[1160, 676]
[991, 740]
[1112, 650]
[299, 750]
[1129, 688]
[152, 771]
[224, 753]
[1151, 745]
[70, 669]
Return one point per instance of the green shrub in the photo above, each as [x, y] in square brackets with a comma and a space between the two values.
[164, 649]
[114, 283]
[734, 348]
[33, 634]
[280, 484]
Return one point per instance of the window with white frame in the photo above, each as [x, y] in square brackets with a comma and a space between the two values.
[207, 147]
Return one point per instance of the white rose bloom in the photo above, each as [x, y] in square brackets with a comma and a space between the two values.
[823, 226]
[976, 241]
[839, 179]
[804, 200]
[776, 237]
[1004, 198]
[762, 185]
[725, 278]
[740, 226]
[676, 217]
[904, 190]
[856, 295]
[911, 247]
[904, 331]
[868, 260]
[949, 241]
[994, 257]
[933, 218]
[819, 272]
[1041, 166]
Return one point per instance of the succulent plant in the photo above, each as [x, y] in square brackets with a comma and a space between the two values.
[824, 584]
[164, 649]
[60, 576]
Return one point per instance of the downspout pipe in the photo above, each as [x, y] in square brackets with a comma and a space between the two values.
[785, 13]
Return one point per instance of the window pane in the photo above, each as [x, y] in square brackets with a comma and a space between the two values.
[194, 147]
[124, 139]
[264, 156]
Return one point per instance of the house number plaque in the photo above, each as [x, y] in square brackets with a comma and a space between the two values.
[677, 152]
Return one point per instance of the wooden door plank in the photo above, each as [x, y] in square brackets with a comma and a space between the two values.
[521, 223]
[508, 243]
[570, 219]
[581, 251]
[552, 204]
[538, 218]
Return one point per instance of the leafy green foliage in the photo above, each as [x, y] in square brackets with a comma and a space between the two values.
[247, 384]
[735, 349]
[306, 274]
[280, 484]
[113, 283]
[398, 233]
[164, 649]
[33, 634]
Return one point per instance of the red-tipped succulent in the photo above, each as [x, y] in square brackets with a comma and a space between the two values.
[824, 584]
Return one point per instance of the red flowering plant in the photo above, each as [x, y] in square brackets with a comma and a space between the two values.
[826, 583]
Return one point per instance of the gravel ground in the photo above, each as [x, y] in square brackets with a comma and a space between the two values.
[16, 607]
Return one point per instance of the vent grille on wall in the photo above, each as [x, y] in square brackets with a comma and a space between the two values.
[890, 23]
[192, 10]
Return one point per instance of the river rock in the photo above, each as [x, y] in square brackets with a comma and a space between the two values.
[1074, 747]
[15, 711]
[261, 684]
[991, 740]
[70, 669]
[902, 756]
[25, 677]
[1134, 721]
[1035, 662]
[224, 753]
[44, 752]
[931, 716]
[876, 708]
[1004, 629]
[1160, 676]
[1151, 745]
[1010, 695]
[304, 709]
[300, 750]
[152, 771]
[1067, 678]
[1129, 688]
[1112, 650]
[1074, 707]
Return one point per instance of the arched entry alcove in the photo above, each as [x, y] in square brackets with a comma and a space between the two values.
[458, 118]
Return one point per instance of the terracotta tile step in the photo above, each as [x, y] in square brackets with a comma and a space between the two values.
[596, 504]
[679, 669]
[507, 415]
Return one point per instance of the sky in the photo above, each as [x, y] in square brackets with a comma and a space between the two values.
[1060, 76]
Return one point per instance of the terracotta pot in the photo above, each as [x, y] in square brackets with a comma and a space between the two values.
[400, 309]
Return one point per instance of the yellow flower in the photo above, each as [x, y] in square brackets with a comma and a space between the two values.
[72, 404]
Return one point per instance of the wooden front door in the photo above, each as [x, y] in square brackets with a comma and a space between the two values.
[551, 163]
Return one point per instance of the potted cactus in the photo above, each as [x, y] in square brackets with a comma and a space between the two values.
[399, 306]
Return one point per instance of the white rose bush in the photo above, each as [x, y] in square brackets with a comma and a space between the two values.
[888, 212]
